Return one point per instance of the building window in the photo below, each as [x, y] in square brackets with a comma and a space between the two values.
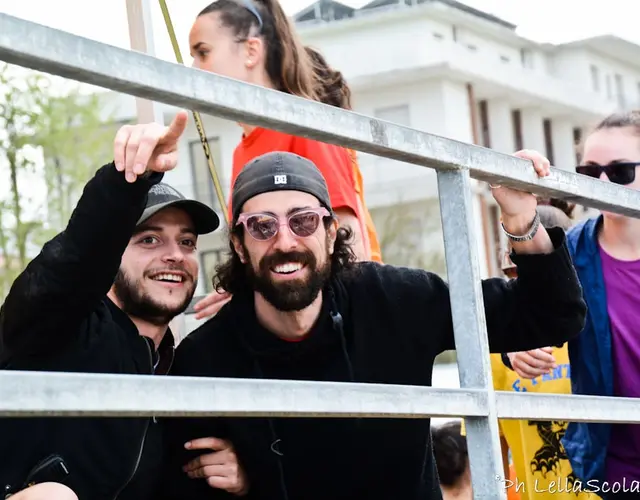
[577, 138]
[622, 102]
[438, 36]
[484, 124]
[548, 140]
[505, 59]
[608, 87]
[516, 120]
[472, 48]
[526, 58]
[209, 259]
[638, 97]
[595, 78]
[202, 182]
[454, 33]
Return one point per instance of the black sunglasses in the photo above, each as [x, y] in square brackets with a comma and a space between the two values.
[618, 173]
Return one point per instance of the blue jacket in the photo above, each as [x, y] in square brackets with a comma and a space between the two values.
[590, 355]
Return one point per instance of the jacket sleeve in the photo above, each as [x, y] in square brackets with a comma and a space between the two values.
[72, 273]
[189, 361]
[543, 307]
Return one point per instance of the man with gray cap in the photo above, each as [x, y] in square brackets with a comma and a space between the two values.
[302, 309]
[99, 298]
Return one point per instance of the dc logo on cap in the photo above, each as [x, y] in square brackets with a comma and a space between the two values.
[279, 179]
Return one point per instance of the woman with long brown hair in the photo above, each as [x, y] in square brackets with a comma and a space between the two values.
[605, 357]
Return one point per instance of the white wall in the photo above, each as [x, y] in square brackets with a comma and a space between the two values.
[397, 46]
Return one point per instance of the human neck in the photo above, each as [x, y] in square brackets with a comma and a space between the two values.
[262, 80]
[287, 325]
[154, 332]
[620, 237]
[460, 491]
[456, 492]
[247, 129]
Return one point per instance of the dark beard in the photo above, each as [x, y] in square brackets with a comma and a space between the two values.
[294, 295]
[138, 304]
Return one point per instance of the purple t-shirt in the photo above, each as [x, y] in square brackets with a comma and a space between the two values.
[622, 285]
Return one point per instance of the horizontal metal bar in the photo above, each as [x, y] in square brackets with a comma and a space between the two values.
[571, 407]
[75, 394]
[39, 47]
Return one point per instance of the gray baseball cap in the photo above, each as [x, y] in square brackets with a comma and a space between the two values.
[278, 171]
[162, 196]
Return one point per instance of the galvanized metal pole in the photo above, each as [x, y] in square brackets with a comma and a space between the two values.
[147, 111]
[470, 329]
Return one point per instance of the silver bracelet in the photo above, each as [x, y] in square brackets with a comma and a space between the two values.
[529, 235]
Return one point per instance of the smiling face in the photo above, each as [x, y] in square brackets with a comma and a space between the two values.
[288, 269]
[158, 274]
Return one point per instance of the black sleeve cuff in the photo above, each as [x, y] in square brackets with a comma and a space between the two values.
[545, 266]
[506, 361]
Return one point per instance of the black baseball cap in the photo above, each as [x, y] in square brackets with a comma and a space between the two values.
[162, 196]
[277, 171]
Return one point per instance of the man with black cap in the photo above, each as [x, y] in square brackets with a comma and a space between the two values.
[99, 298]
[302, 309]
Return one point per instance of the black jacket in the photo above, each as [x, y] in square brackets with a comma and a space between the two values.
[395, 321]
[57, 318]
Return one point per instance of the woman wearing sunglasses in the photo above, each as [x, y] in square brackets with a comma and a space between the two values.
[605, 357]
[253, 41]
[542, 468]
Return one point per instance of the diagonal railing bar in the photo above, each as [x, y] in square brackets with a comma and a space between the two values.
[57, 52]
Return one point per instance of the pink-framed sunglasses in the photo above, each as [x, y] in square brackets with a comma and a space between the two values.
[263, 226]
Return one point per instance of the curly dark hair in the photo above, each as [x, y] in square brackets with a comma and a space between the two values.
[231, 275]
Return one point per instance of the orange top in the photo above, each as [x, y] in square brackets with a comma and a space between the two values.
[371, 235]
[338, 166]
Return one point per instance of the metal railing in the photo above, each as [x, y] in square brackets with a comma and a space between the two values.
[22, 393]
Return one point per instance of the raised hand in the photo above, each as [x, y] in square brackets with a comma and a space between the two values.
[148, 147]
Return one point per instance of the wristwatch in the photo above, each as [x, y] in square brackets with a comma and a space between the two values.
[529, 235]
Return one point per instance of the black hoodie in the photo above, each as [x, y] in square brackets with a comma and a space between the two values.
[379, 324]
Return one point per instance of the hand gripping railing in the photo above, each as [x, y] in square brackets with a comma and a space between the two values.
[46, 49]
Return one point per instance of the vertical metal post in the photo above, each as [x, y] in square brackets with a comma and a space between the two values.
[470, 329]
[141, 38]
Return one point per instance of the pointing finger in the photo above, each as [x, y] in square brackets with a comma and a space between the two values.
[176, 128]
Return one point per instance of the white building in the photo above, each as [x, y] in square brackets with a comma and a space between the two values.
[445, 68]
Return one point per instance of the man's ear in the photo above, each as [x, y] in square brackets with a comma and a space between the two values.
[332, 234]
[239, 248]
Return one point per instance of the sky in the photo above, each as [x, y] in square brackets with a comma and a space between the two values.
[554, 21]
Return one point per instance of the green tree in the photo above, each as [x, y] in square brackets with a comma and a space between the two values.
[36, 123]
[75, 140]
[411, 235]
